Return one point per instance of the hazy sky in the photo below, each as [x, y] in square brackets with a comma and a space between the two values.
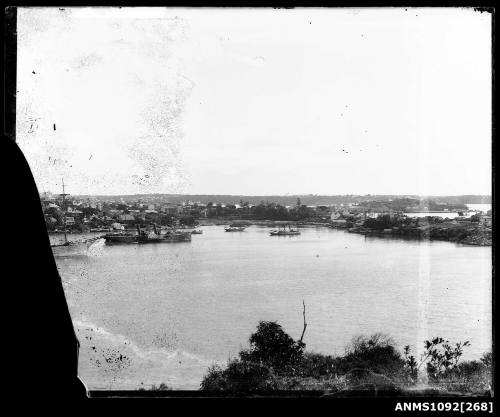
[225, 101]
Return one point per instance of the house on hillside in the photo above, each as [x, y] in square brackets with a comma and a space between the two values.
[127, 218]
[74, 212]
[339, 222]
[117, 226]
[335, 215]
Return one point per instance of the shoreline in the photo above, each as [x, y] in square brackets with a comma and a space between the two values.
[470, 235]
[475, 237]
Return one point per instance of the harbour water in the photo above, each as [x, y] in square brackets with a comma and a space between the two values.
[475, 208]
[479, 207]
[146, 314]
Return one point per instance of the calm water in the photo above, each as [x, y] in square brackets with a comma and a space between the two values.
[452, 214]
[147, 314]
[481, 207]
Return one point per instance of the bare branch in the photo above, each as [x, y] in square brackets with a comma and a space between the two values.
[305, 324]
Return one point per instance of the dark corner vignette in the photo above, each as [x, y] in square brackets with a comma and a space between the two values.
[43, 347]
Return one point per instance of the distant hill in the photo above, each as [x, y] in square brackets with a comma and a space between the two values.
[310, 199]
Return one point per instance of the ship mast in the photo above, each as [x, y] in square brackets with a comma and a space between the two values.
[63, 195]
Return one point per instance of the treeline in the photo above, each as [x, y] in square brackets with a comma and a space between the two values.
[387, 221]
[403, 204]
[267, 211]
[471, 232]
[308, 199]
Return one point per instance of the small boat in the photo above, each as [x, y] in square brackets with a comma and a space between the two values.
[234, 229]
[197, 232]
[284, 232]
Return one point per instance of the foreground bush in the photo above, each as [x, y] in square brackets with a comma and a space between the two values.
[271, 347]
[474, 377]
[275, 361]
[161, 387]
[272, 353]
[240, 376]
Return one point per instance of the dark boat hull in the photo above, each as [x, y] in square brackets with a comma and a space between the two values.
[110, 239]
[143, 238]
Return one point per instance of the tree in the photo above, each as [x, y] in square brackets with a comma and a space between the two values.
[487, 359]
[240, 376]
[168, 219]
[121, 206]
[55, 213]
[187, 220]
[442, 356]
[273, 347]
[88, 211]
[439, 356]
[377, 353]
[272, 353]
[476, 218]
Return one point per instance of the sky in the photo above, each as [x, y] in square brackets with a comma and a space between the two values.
[256, 101]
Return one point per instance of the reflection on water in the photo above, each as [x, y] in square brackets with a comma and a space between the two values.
[165, 312]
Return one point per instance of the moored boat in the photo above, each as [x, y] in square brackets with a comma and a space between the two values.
[234, 229]
[170, 236]
[70, 248]
[285, 232]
